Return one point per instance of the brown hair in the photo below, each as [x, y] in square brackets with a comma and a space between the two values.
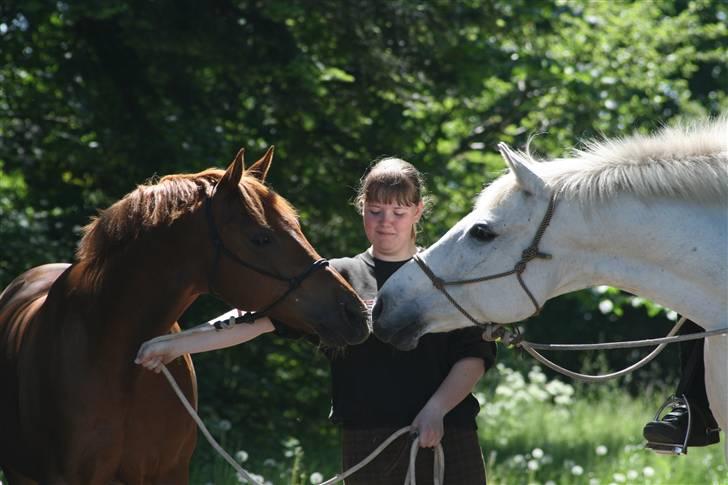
[391, 180]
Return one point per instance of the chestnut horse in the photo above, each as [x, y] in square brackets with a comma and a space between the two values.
[74, 408]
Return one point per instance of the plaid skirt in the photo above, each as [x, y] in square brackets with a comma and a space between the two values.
[463, 458]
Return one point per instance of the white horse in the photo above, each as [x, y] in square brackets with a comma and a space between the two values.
[647, 214]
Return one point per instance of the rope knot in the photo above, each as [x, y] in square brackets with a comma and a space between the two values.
[529, 253]
[493, 333]
[512, 339]
[248, 318]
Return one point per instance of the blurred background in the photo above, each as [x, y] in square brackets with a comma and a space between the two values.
[97, 97]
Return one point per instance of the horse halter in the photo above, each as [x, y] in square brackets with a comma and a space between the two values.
[528, 254]
[220, 248]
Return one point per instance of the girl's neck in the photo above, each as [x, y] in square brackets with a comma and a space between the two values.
[401, 255]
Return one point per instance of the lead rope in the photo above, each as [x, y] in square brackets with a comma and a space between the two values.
[508, 337]
[439, 463]
[438, 466]
[243, 473]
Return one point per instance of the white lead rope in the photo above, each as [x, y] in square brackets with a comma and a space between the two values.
[410, 479]
[244, 473]
[439, 463]
[531, 347]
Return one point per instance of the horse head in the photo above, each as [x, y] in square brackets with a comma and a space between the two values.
[261, 260]
[482, 266]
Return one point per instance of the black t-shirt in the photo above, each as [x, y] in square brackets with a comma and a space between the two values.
[375, 385]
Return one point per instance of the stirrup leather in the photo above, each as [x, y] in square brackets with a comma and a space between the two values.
[672, 448]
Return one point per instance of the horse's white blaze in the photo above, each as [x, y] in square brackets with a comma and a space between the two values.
[649, 220]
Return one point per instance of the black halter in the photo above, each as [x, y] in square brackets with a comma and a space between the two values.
[220, 248]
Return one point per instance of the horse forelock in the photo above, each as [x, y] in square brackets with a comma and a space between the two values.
[259, 199]
[685, 162]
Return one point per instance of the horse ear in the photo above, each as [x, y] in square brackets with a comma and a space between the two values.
[235, 171]
[260, 168]
[526, 178]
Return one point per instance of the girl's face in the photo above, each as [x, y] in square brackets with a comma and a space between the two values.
[390, 229]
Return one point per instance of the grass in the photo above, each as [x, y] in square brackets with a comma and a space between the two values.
[584, 435]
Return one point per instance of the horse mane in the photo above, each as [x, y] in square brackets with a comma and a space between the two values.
[684, 162]
[160, 203]
[150, 205]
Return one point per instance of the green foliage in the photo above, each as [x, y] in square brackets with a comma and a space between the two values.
[564, 434]
[96, 98]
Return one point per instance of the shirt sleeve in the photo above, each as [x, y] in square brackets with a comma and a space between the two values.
[468, 342]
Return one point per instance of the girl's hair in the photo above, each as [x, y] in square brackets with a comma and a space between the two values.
[392, 180]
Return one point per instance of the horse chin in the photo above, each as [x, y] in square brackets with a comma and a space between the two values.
[332, 339]
[407, 337]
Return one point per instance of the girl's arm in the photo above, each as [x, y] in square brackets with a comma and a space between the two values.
[457, 385]
[154, 353]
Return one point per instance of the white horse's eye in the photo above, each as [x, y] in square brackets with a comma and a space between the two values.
[482, 232]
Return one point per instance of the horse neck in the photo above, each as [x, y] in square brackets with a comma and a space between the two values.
[671, 252]
[144, 289]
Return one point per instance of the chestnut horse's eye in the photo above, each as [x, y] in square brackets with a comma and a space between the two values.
[262, 238]
[482, 232]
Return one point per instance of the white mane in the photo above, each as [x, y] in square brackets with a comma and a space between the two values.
[688, 162]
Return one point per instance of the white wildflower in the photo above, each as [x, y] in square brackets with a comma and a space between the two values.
[606, 306]
[536, 375]
[533, 465]
[316, 478]
[537, 453]
[601, 450]
[648, 471]
[577, 470]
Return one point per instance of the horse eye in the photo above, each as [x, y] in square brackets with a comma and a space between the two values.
[482, 232]
[261, 239]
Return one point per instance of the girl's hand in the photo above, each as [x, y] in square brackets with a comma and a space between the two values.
[429, 426]
[155, 353]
